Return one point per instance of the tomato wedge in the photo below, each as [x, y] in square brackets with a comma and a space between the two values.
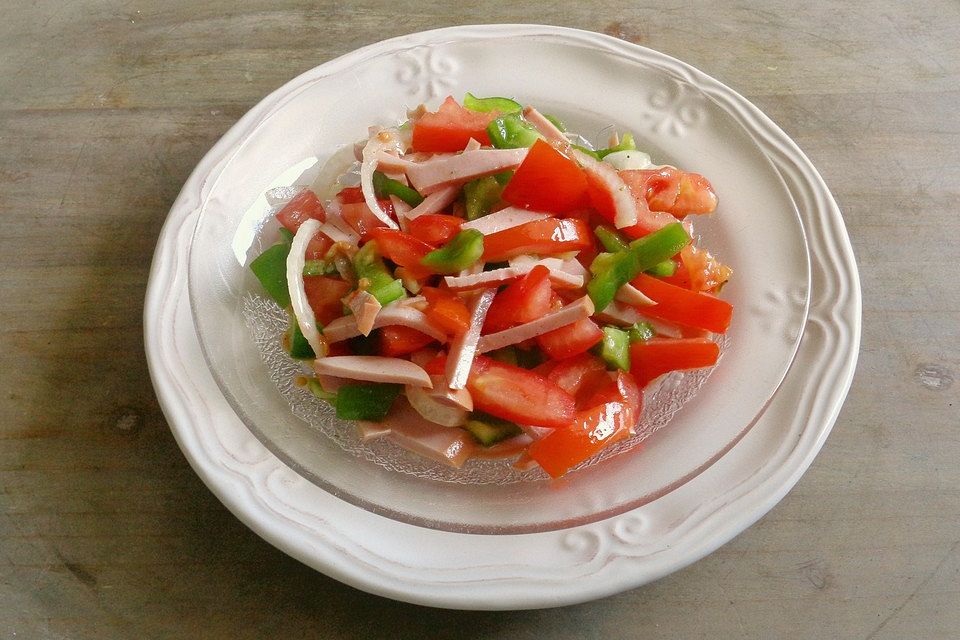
[618, 388]
[543, 237]
[704, 272]
[647, 221]
[350, 195]
[570, 340]
[450, 128]
[589, 432]
[324, 296]
[396, 341]
[446, 310]
[359, 216]
[518, 395]
[683, 306]
[434, 228]
[522, 301]
[581, 376]
[696, 196]
[402, 249]
[547, 180]
[304, 206]
[657, 356]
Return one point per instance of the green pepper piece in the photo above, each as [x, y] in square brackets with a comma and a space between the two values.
[663, 269]
[557, 122]
[615, 348]
[381, 284]
[270, 267]
[462, 251]
[385, 187]
[512, 132]
[610, 239]
[530, 358]
[314, 386]
[507, 355]
[371, 401]
[489, 430]
[641, 331]
[480, 195]
[503, 177]
[590, 152]
[626, 144]
[503, 105]
[613, 270]
[299, 347]
[318, 268]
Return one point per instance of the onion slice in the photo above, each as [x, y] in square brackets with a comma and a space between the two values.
[298, 295]
[380, 140]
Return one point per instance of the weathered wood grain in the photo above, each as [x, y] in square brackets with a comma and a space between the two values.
[105, 532]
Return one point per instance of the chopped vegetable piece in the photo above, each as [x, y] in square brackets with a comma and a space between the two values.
[641, 331]
[613, 270]
[610, 239]
[369, 265]
[314, 386]
[518, 395]
[547, 180]
[543, 237]
[434, 228]
[318, 268]
[589, 432]
[385, 187]
[557, 122]
[507, 355]
[683, 306]
[361, 219]
[304, 206]
[458, 254]
[652, 358]
[450, 128]
[512, 132]
[695, 196]
[580, 376]
[499, 105]
[446, 310]
[366, 401]
[299, 349]
[480, 196]
[570, 340]
[270, 267]
[402, 249]
[590, 152]
[615, 348]
[503, 177]
[626, 144]
[489, 430]
[522, 301]
[704, 272]
[663, 269]
[350, 195]
[397, 340]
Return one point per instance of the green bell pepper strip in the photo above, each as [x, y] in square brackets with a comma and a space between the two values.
[615, 348]
[610, 239]
[300, 349]
[503, 177]
[369, 401]
[462, 251]
[480, 195]
[485, 105]
[507, 355]
[380, 283]
[489, 430]
[512, 132]
[314, 386]
[663, 269]
[626, 144]
[385, 187]
[557, 122]
[641, 332]
[590, 152]
[319, 268]
[613, 270]
[270, 267]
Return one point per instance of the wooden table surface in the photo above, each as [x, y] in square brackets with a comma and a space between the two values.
[105, 532]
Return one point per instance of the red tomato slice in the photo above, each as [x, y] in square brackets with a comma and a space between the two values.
[402, 249]
[589, 432]
[350, 195]
[446, 310]
[398, 341]
[522, 301]
[620, 388]
[518, 395]
[657, 356]
[647, 221]
[318, 246]
[581, 376]
[695, 196]
[543, 237]
[547, 180]
[450, 128]
[686, 307]
[304, 206]
[570, 340]
[434, 228]
[704, 272]
[359, 216]
[324, 296]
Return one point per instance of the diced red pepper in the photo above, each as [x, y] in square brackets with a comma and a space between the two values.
[652, 358]
[543, 237]
[434, 228]
[324, 295]
[518, 395]
[547, 180]
[446, 310]
[571, 339]
[589, 432]
[450, 128]
[522, 301]
[396, 341]
[304, 206]
[683, 306]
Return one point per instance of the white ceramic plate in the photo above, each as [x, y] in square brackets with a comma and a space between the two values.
[688, 118]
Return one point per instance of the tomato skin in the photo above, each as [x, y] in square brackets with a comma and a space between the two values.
[590, 431]
[450, 128]
[324, 295]
[522, 301]
[547, 180]
[581, 376]
[543, 237]
[402, 249]
[652, 358]
[571, 339]
[361, 219]
[350, 195]
[446, 310]
[683, 306]
[434, 228]
[302, 207]
[518, 395]
[396, 341]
